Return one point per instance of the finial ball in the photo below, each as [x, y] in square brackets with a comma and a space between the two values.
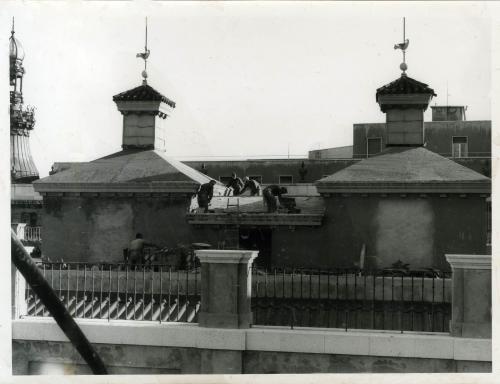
[403, 67]
[144, 74]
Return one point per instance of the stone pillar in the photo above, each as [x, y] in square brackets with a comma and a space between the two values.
[225, 288]
[18, 294]
[18, 229]
[471, 295]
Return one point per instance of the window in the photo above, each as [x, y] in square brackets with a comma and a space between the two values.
[373, 146]
[286, 179]
[460, 146]
[33, 219]
[258, 179]
[25, 217]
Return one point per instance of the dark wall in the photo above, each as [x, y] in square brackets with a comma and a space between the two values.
[415, 230]
[418, 231]
[95, 229]
[270, 170]
[438, 136]
[361, 132]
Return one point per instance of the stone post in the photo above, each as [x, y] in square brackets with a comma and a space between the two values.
[471, 295]
[225, 288]
[18, 294]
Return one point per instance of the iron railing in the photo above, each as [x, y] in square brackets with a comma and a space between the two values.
[119, 291]
[337, 298]
[352, 299]
[32, 233]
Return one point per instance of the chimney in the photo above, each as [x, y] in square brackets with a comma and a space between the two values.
[404, 102]
[144, 113]
[448, 113]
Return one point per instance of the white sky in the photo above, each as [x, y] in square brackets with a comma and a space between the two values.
[249, 79]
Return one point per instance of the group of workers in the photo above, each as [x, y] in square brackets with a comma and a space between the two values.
[271, 194]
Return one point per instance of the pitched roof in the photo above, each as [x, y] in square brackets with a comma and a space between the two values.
[405, 85]
[143, 92]
[130, 167]
[405, 169]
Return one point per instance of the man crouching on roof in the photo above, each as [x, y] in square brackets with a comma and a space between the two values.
[271, 194]
[205, 194]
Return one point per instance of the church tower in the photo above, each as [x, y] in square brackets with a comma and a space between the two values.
[22, 119]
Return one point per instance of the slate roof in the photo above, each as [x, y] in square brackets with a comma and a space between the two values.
[405, 169]
[405, 85]
[127, 166]
[143, 92]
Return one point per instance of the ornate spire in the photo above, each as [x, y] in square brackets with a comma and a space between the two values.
[144, 55]
[22, 118]
[403, 46]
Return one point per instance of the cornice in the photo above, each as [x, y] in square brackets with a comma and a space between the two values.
[221, 256]
[256, 219]
[469, 261]
[326, 187]
[127, 187]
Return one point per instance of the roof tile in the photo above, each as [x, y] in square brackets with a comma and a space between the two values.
[405, 85]
[143, 92]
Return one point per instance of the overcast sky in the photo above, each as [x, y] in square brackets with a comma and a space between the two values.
[249, 79]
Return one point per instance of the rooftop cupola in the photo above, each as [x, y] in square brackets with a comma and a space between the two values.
[404, 102]
[144, 111]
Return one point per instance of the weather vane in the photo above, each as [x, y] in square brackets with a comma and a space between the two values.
[144, 55]
[403, 46]
[13, 26]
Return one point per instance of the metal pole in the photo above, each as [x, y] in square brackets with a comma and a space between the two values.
[44, 291]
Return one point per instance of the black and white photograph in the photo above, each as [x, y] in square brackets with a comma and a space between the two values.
[249, 188]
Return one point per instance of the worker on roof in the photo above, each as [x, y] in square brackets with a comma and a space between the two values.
[205, 194]
[271, 195]
[236, 184]
[252, 185]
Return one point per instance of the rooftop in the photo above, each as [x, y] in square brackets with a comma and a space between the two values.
[135, 169]
[252, 211]
[405, 169]
[143, 92]
[404, 85]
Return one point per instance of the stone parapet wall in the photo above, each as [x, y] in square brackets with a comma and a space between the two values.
[129, 347]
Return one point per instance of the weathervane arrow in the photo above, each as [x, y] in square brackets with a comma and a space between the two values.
[403, 46]
[144, 55]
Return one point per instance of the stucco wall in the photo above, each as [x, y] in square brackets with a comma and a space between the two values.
[98, 228]
[400, 226]
[46, 357]
[414, 230]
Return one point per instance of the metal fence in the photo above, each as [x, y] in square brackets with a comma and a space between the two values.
[336, 298]
[118, 291]
[352, 299]
[32, 233]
